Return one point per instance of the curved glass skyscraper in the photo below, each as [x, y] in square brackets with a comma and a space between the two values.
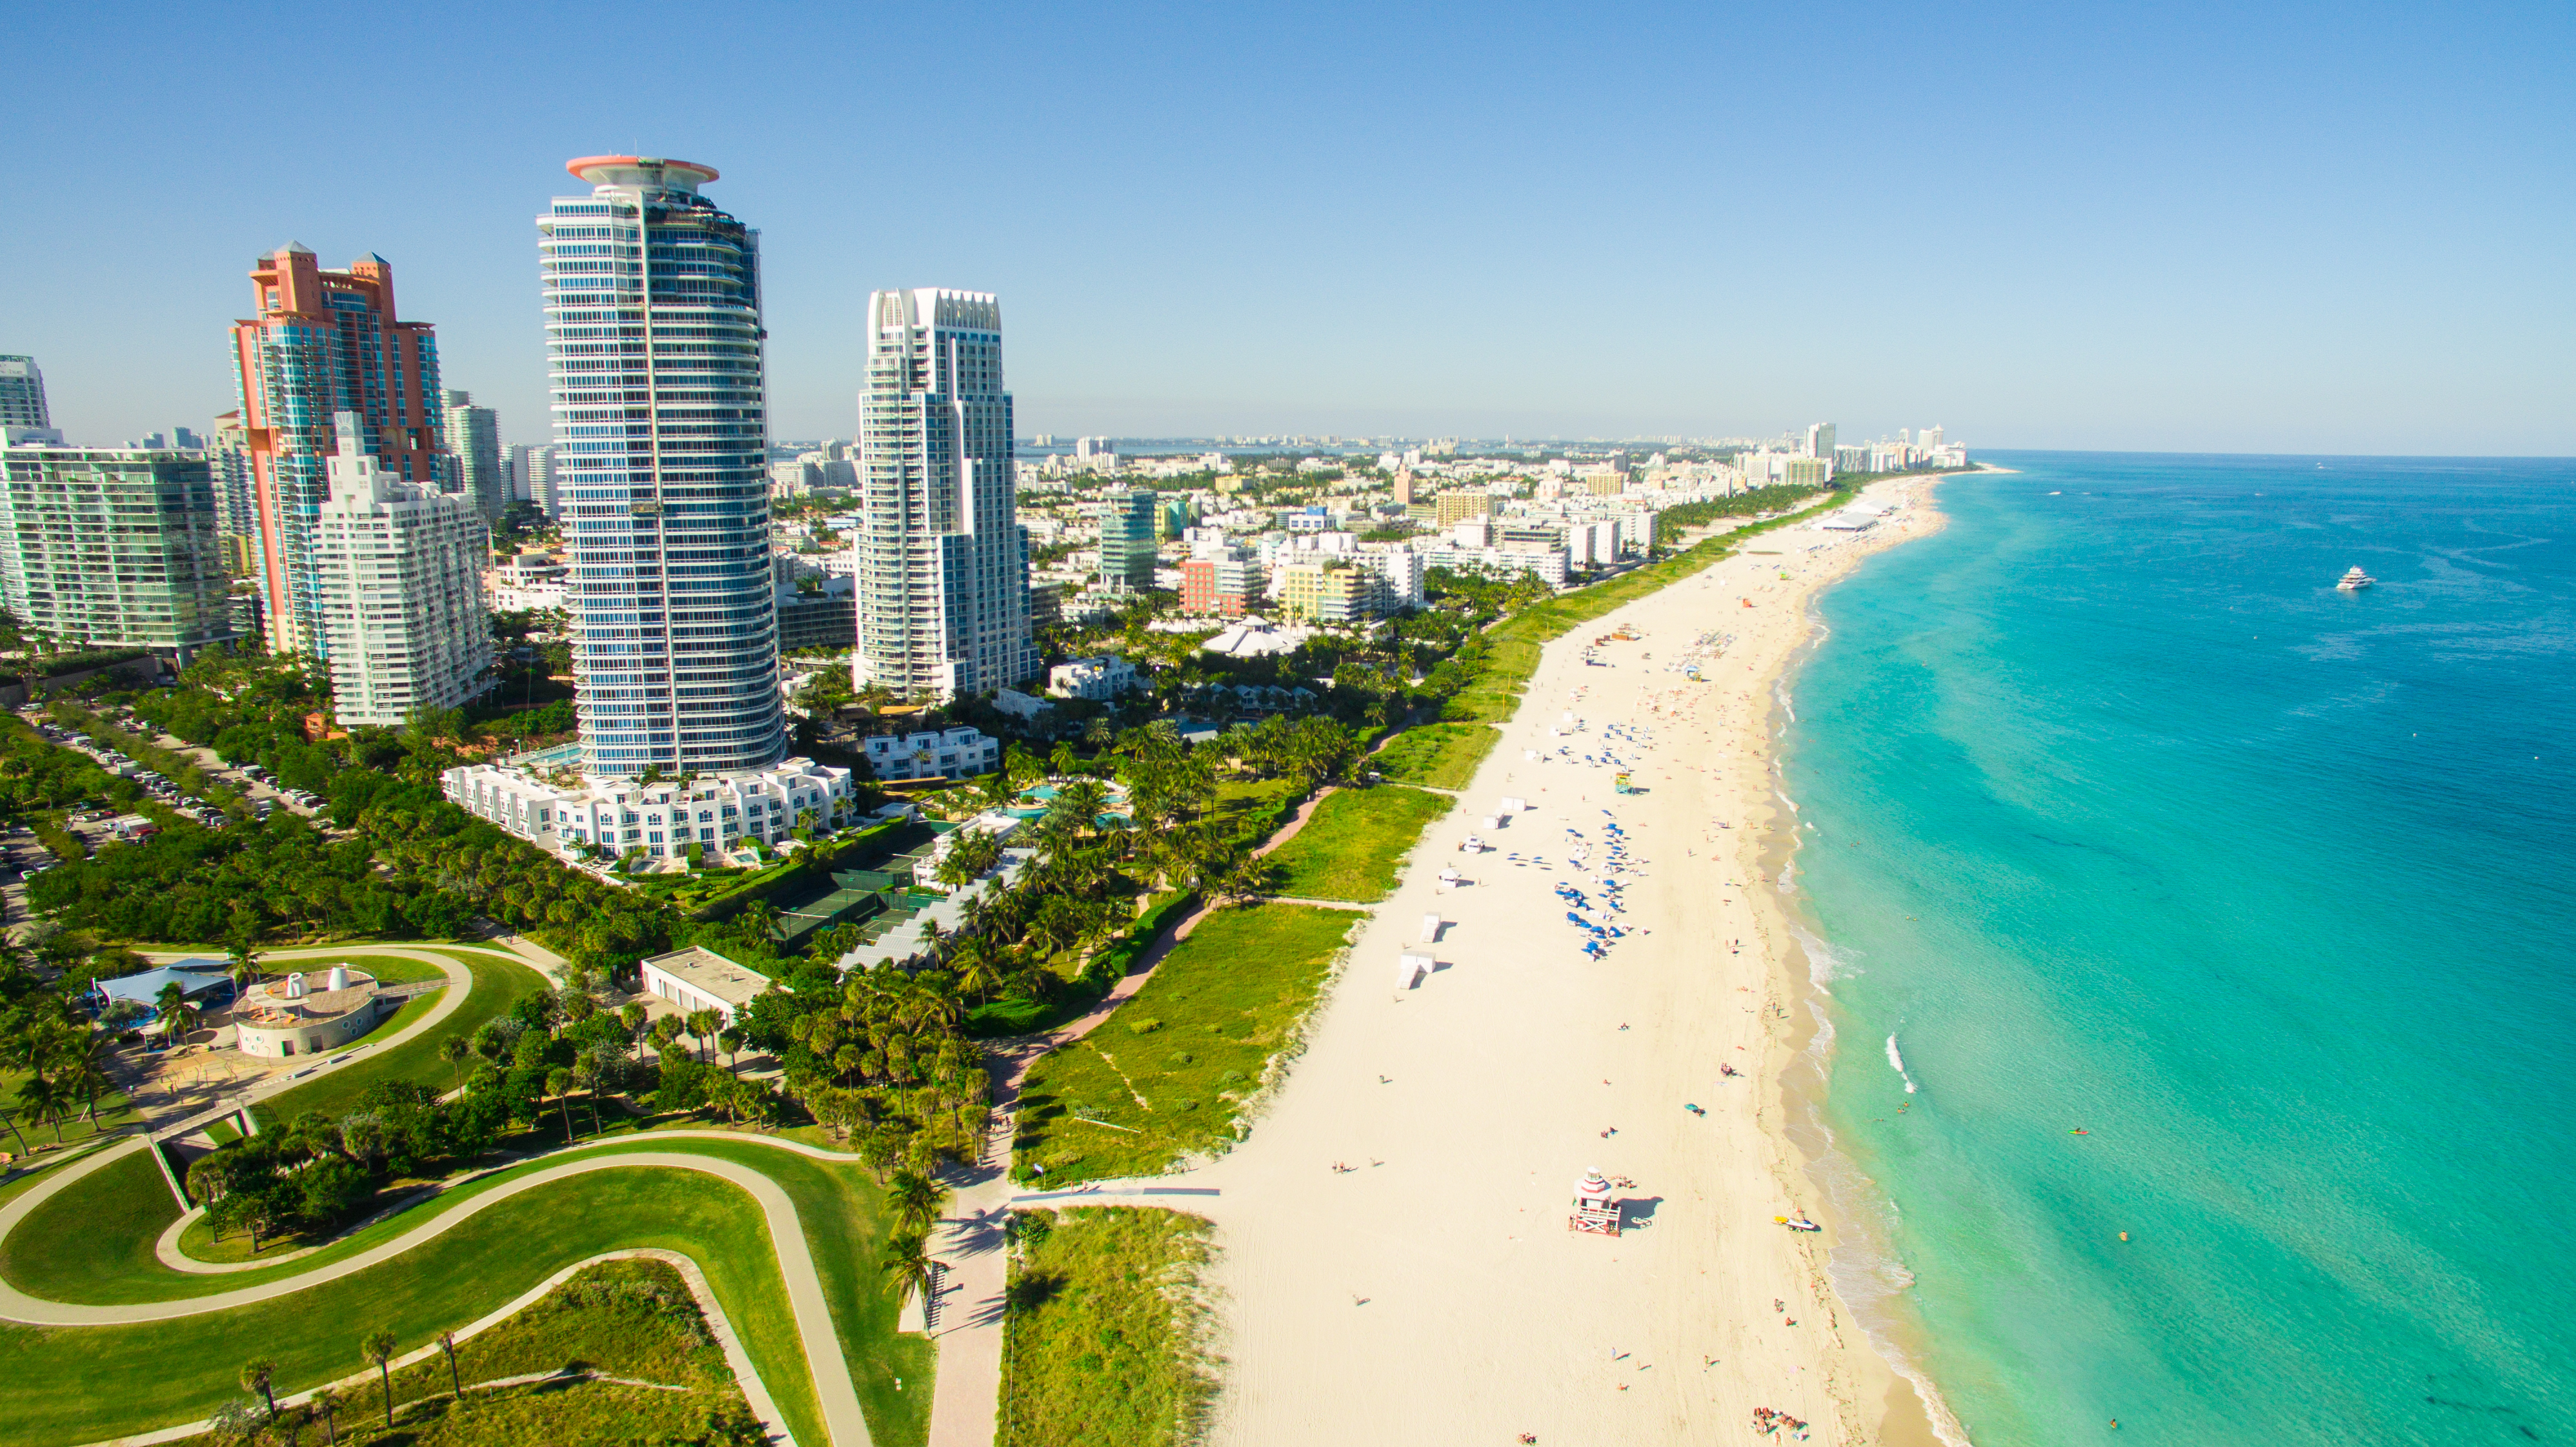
[653, 343]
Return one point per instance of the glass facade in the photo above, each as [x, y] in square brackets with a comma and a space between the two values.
[113, 547]
[653, 340]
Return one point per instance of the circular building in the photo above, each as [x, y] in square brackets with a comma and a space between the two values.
[307, 1014]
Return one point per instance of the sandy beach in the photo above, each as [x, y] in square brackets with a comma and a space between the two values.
[1432, 1291]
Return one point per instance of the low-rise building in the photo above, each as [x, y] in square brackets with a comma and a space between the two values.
[958, 753]
[698, 978]
[1100, 679]
[568, 813]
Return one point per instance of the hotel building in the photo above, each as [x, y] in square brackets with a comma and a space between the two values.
[325, 342]
[943, 566]
[22, 394]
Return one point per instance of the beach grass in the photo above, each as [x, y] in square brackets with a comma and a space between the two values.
[1354, 844]
[1443, 755]
[574, 1411]
[80, 1384]
[1105, 1338]
[1168, 1075]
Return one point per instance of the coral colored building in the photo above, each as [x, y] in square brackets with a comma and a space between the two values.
[325, 342]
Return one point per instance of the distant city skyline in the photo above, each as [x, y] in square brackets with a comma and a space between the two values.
[2192, 229]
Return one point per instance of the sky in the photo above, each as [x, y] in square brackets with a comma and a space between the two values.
[2178, 227]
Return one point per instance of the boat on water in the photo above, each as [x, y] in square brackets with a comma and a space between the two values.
[2355, 580]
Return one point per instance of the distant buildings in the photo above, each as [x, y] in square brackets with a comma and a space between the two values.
[399, 579]
[943, 569]
[1457, 506]
[323, 343]
[113, 547]
[22, 394]
[666, 527]
[1127, 544]
[1227, 586]
[474, 454]
[1820, 441]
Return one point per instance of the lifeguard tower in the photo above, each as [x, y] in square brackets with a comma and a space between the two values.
[1595, 1214]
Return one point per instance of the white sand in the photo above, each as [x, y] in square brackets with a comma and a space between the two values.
[1434, 1294]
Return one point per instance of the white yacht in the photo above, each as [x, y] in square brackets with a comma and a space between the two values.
[2355, 581]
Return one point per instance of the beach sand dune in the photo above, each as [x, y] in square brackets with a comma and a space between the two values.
[1432, 1291]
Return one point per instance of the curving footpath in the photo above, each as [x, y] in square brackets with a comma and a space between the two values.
[834, 1391]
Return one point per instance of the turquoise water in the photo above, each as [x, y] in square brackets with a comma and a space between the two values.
[2125, 819]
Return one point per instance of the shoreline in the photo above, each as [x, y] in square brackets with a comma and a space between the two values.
[1433, 1292]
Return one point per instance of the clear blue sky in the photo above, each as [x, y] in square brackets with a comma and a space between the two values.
[2335, 228]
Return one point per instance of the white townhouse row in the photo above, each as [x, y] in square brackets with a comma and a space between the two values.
[718, 812]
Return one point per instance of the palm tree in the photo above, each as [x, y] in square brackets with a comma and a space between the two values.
[916, 1200]
[702, 1027]
[453, 1050]
[244, 961]
[256, 1376]
[559, 1085]
[447, 1344]
[45, 1096]
[633, 1015]
[326, 1405]
[909, 1265]
[729, 1040]
[378, 1348]
[177, 1016]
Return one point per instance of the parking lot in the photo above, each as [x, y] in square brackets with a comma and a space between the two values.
[97, 826]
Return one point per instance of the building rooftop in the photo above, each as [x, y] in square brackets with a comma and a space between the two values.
[711, 974]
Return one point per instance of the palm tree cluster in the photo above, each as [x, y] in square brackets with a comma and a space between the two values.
[883, 1063]
[59, 1051]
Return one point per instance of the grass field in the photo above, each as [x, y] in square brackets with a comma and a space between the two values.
[1356, 841]
[1104, 1341]
[85, 1383]
[1443, 756]
[1166, 1077]
[540, 1412]
[841, 1208]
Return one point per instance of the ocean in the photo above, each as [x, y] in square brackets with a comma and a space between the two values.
[2125, 822]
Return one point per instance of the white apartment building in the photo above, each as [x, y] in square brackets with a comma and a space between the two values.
[958, 753]
[398, 578]
[719, 813]
[1099, 679]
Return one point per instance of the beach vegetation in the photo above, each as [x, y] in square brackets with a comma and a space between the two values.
[1231, 999]
[1105, 1336]
[1353, 846]
[1442, 755]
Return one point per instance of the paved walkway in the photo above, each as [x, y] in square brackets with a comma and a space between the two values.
[833, 1387]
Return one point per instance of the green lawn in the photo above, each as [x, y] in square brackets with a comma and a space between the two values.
[498, 984]
[1444, 755]
[1105, 1340]
[540, 1412]
[1352, 846]
[840, 1206]
[115, 1112]
[1193, 1043]
[84, 1383]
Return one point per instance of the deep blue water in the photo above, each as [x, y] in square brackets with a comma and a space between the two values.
[2126, 820]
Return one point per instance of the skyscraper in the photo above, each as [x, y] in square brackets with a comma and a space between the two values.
[943, 566]
[399, 571]
[324, 342]
[653, 339]
[474, 454]
[22, 393]
[113, 546]
[1820, 440]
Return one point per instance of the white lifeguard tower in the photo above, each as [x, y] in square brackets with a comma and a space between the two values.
[1595, 1214]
